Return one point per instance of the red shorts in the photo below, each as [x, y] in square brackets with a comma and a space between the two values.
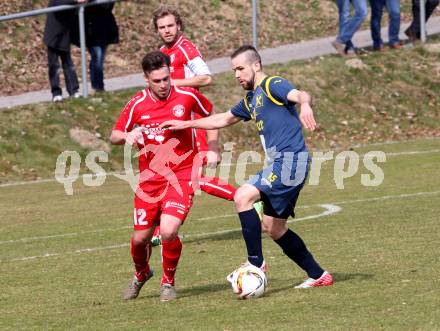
[161, 198]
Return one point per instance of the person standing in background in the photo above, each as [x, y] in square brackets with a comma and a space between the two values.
[393, 8]
[189, 69]
[57, 39]
[348, 25]
[101, 30]
[413, 31]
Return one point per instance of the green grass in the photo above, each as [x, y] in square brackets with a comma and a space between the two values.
[382, 252]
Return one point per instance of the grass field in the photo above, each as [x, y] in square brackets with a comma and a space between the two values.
[64, 260]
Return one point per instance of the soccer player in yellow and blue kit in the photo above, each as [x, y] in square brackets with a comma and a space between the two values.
[271, 103]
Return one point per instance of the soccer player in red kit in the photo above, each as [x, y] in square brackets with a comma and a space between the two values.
[189, 69]
[164, 194]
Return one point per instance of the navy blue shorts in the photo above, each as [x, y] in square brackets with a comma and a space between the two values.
[279, 186]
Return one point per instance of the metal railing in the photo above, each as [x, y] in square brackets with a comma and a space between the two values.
[81, 7]
[422, 21]
[82, 34]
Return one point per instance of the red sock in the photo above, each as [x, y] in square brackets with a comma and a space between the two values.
[216, 187]
[171, 251]
[140, 253]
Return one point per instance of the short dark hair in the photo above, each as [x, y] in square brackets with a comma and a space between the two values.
[252, 53]
[155, 60]
[165, 10]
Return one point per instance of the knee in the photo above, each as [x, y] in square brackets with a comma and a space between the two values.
[362, 13]
[394, 14]
[274, 231]
[241, 198]
[271, 232]
[140, 237]
[168, 234]
[97, 63]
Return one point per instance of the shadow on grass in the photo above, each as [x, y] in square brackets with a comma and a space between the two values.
[196, 290]
[202, 289]
[276, 285]
[289, 284]
[341, 277]
[226, 235]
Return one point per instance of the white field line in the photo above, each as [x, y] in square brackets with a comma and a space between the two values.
[432, 151]
[330, 209]
[74, 234]
[388, 197]
[84, 250]
[393, 142]
[51, 180]
[71, 234]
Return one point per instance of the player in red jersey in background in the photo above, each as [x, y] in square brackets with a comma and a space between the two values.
[164, 193]
[189, 69]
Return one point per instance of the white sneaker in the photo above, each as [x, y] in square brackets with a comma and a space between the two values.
[230, 276]
[167, 293]
[57, 98]
[76, 95]
[325, 280]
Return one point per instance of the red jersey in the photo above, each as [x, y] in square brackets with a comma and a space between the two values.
[159, 152]
[187, 61]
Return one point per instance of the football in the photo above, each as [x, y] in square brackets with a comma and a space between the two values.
[248, 282]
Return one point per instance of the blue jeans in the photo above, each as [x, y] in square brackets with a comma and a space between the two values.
[393, 8]
[53, 59]
[97, 67]
[348, 24]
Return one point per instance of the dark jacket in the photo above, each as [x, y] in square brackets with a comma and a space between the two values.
[58, 26]
[100, 26]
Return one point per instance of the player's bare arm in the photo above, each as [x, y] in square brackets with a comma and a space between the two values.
[306, 113]
[196, 81]
[212, 122]
[118, 137]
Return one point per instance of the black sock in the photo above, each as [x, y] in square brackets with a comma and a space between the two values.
[251, 229]
[293, 246]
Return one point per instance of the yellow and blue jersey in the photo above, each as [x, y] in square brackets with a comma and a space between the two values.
[280, 131]
[276, 118]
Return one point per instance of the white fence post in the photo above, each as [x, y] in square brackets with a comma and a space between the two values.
[422, 21]
[254, 24]
[82, 40]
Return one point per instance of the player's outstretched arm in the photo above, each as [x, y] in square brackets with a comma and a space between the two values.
[306, 113]
[195, 81]
[120, 137]
[212, 122]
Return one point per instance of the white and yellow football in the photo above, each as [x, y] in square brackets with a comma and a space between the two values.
[248, 282]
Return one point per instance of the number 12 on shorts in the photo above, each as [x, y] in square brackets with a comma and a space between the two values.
[139, 217]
